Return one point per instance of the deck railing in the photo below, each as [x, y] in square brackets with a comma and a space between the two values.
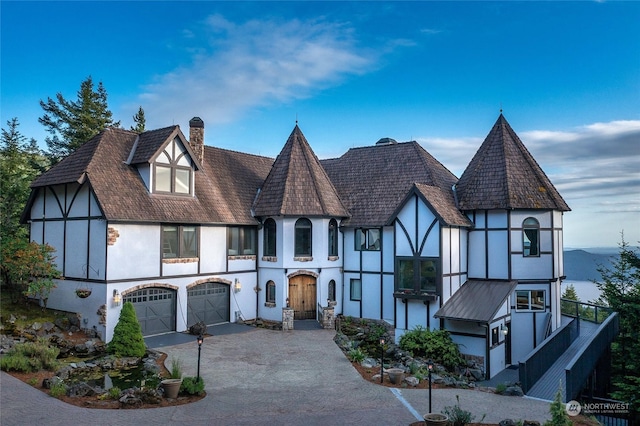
[541, 358]
[583, 363]
[584, 310]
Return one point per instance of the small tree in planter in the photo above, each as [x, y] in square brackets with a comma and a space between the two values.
[127, 335]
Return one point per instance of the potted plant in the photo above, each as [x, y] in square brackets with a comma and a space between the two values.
[172, 385]
[396, 375]
[83, 293]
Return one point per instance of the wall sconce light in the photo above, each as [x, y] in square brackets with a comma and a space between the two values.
[116, 298]
[237, 286]
[287, 302]
[328, 302]
[504, 329]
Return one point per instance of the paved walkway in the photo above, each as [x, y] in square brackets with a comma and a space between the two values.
[269, 377]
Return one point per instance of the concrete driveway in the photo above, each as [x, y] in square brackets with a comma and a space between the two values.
[269, 377]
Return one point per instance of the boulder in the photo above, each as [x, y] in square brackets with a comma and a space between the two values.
[412, 381]
[507, 422]
[513, 391]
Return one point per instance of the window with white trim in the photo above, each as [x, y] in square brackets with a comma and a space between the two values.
[173, 170]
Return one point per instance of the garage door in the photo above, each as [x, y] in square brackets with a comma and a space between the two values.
[155, 308]
[208, 302]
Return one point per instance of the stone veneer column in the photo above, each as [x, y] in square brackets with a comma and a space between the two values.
[328, 318]
[287, 319]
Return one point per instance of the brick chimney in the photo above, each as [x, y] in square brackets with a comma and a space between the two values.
[196, 137]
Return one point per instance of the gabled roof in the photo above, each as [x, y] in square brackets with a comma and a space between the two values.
[504, 175]
[297, 184]
[372, 181]
[222, 193]
[477, 301]
[440, 202]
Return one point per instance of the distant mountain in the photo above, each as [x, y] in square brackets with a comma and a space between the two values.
[581, 265]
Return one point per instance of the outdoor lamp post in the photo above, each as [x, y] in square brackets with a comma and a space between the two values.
[200, 339]
[430, 367]
[382, 360]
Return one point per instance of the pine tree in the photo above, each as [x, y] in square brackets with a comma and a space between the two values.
[620, 287]
[20, 163]
[72, 123]
[127, 335]
[139, 120]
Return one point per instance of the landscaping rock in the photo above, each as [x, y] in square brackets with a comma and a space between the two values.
[48, 383]
[412, 381]
[198, 328]
[83, 389]
[507, 422]
[513, 391]
[530, 423]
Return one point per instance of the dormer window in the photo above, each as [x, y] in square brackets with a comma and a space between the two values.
[173, 172]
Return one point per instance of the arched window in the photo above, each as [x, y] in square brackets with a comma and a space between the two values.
[332, 291]
[269, 237]
[271, 292]
[303, 238]
[333, 238]
[530, 237]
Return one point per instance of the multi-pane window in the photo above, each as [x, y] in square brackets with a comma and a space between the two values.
[530, 237]
[173, 172]
[241, 241]
[355, 292]
[271, 292]
[333, 237]
[332, 291]
[303, 237]
[179, 241]
[530, 300]
[269, 234]
[367, 239]
[417, 274]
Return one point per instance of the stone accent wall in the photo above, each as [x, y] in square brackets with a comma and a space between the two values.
[328, 318]
[181, 260]
[287, 319]
[112, 235]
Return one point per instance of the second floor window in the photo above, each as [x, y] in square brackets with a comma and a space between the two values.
[367, 239]
[303, 238]
[269, 235]
[179, 241]
[333, 237]
[172, 170]
[417, 274]
[241, 241]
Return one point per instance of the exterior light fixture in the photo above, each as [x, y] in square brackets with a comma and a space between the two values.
[430, 367]
[200, 340]
[237, 286]
[287, 302]
[382, 360]
[504, 330]
[116, 298]
[328, 302]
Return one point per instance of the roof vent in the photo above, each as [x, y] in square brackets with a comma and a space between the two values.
[386, 141]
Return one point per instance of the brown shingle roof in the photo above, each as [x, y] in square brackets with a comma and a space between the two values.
[298, 185]
[477, 301]
[225, 186]
[150, 143]
[443, 205]
[504, 175]
[372, 181]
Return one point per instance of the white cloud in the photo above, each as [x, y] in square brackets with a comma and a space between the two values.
[240, 66]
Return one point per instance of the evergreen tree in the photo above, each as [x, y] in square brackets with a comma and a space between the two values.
[20, 163]
[620, 287]
[127, 335]
[139, 120]
[72, 123]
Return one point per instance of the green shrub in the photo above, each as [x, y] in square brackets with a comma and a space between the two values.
[457, 416]
[432, 344]
[356, 355]
[559, 415]
[58, 390]
[114, 392]
[127, 335]
[30, 356]
[500, 388]
[192, 386]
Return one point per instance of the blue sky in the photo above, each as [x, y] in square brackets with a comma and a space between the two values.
[566, 74]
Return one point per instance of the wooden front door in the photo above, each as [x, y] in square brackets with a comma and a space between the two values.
[302, 296]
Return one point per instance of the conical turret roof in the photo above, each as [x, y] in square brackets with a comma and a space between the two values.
[298, 185]
[504, 175]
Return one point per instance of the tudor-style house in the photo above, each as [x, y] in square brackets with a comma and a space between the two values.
[189, 233]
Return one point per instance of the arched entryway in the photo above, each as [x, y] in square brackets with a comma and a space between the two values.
[302, 296]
